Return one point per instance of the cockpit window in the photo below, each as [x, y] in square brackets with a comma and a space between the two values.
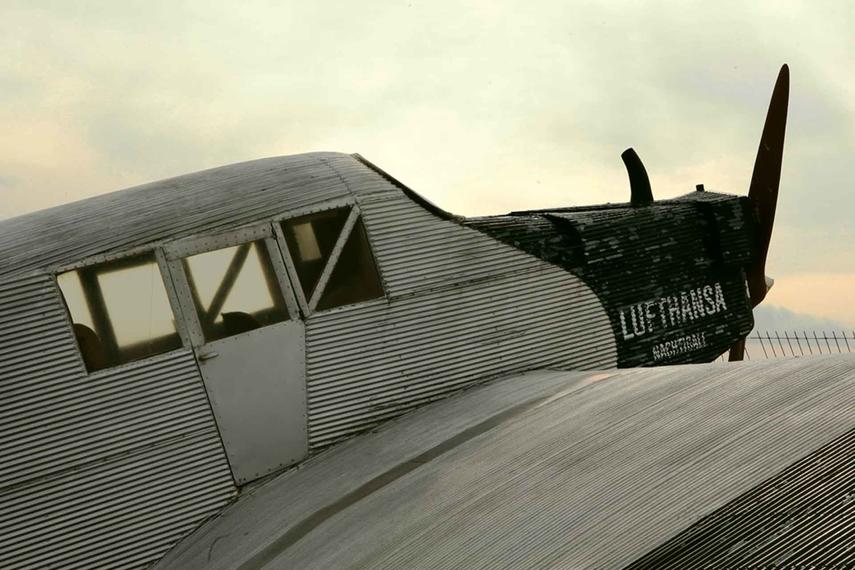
[120, 311]
[235, 290]
[311, 240]
[333, 259]
[354, 278]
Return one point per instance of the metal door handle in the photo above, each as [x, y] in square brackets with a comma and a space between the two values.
[208, 355]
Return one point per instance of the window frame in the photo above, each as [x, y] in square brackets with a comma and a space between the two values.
[120, 258]
[176, 252]
[309, 306]
[169, 256]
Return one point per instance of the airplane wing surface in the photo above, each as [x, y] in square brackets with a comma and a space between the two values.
[721, 465]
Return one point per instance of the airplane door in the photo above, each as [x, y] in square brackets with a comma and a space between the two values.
[249, 341]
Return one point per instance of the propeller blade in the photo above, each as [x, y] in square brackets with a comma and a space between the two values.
[737, 351]
[765, 180]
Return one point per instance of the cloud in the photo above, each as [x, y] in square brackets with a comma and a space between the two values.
[774, 319]
[483, 106]
[824, 296]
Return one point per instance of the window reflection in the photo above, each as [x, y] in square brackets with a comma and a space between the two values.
[120, 311]
[355, 276]
[235, 290]
[311, 240]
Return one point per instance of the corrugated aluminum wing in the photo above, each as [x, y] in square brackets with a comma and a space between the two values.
[573, 470]
[101, 470]
[596, 476]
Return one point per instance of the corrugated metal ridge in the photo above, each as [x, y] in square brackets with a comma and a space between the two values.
[130, 414]
[229, 172]
[36, 505]
[296, 495]
[60, 359]
[80, 451]
[106, 469]
[155, 232]
[364, 381]
[68, 404]
[342, 384]
[47, 334]
[545, 277]
[418, 251]
[585, 481]
[203, 202]
[295, 534]
[93, 434]
[590, 309]
[802, 517]
[22, 295]
[392, 406]
[368, 386]
[54, 366]
[97, 384]
[336, 400]
[171, 491]
[366, 366]
[347, 324]
[560, 325]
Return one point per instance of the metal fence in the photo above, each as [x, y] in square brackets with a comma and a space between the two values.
[761, 345]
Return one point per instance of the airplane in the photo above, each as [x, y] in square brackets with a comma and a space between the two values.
[233, 345]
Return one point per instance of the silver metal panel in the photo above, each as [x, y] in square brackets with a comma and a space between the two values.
[256, 384]
[461, 308]
[418, 251]
[247, 531]
[118, 463]
[591, 478]
[204, 202]
[544, 470]
[121, 514]
[374, 361]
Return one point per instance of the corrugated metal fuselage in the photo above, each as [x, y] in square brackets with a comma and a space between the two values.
[117, 465]
[464, 301]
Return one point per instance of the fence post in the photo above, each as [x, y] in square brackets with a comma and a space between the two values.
[796, 335]
[763, 346]
[834, 334]
[783, 352]
[787, 336]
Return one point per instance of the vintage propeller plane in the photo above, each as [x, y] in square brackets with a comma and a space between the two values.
[164, 347]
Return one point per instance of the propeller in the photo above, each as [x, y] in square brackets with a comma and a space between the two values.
[763, 193]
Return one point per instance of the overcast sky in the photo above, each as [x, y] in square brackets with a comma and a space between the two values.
[483, 106]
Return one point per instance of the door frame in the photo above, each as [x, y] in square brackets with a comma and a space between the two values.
[172, 258]
[175, 252]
